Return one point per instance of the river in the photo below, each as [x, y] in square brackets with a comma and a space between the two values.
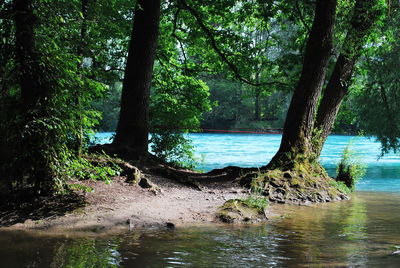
[362, 232]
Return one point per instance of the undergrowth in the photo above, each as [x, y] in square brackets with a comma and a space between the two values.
[256, 199]
[80, 187]
[257, 202]
[103, 169]
[349, 170]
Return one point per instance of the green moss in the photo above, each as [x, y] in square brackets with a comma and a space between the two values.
[294, 182]
[258, 202]
[304, 182]
[243, 210]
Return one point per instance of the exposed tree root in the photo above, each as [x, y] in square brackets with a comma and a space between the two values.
[293, 187]
[301, 183]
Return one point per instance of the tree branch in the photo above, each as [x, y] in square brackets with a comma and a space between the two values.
[220, 53]
[302, 18]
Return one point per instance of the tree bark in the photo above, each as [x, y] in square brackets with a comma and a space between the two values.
[35, 94]
[297, 133]
[257, 110]
[133, 125]
[363, 18]
[26, 55]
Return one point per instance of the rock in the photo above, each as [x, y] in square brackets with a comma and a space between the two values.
[133, 174]
[236, 211]
[146, 183]
[170, 225]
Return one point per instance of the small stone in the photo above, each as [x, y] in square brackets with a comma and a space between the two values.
[170, 225]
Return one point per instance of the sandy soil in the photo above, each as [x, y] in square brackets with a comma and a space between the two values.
[124, 205]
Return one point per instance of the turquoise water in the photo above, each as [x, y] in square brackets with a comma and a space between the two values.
[255, 150]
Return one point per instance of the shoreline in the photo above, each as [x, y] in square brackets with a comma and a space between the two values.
[124, 206]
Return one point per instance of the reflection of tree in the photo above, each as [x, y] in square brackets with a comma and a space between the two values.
[354, 230]
[302, 233]
[87, 253]
[333, 234]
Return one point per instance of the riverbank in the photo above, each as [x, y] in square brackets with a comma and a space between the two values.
[129, 206]
[361, 232]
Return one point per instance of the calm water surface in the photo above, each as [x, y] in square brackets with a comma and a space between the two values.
[362, 232]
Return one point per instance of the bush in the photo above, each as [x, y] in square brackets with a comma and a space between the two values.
[349, 170]
[94, 167]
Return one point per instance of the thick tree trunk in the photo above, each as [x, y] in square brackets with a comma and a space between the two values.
[133, 125]
[363, 19]
[35, 93]
[26, 56]
[297, 133]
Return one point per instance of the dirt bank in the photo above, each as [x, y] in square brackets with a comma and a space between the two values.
[124, 205]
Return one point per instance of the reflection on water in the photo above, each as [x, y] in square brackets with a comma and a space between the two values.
[361, 232]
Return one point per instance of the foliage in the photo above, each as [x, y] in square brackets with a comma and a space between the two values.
[257, 202]
[109, 108]
[378, 104]
[177, 103]
[341, 186]
[234, 107]
[349, 169]
[80, 187]
[104, 168]
[38, 139]
[174, 148]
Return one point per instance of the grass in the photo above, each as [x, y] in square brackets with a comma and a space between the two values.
[341, 186]
[258, 202]
[80, 187]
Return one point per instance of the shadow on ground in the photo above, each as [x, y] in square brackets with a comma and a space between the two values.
[39, 209]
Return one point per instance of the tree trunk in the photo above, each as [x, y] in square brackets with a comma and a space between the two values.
[35, 94]
[133, 125]
[81, 53]
[297, 133]
[257, 110]
[363, 19]
[26, 56]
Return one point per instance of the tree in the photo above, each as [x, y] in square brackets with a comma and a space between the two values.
[133, 125]
[297, 134]
[303, 135]
[365, 15]
[39, 116]
[296, 165]
[35, 91]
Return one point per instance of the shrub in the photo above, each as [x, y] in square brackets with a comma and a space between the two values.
[349, 170]
[94, 167]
